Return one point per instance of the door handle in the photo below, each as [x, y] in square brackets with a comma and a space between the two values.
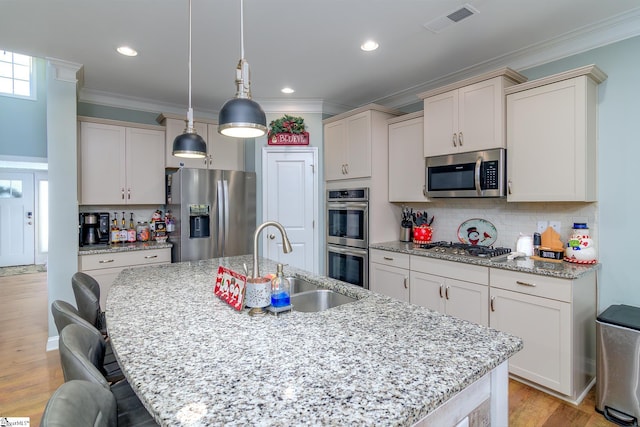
[150, 256]
[492, 306]
[441, 291]
[388, 258]
[406, 283]
[105, 261]
[533, 285]
[460, 139]
[446, 292]
[509, 186]
[455, 139]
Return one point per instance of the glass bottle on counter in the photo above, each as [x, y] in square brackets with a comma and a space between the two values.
[280, 289]
[115, 231]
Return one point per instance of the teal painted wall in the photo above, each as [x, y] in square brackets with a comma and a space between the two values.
[23, 122]
[114, 113]
[618, 154]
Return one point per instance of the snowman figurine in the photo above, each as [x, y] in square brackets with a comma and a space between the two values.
[580, 248]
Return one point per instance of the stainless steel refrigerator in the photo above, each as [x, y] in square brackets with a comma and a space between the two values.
[214, 212]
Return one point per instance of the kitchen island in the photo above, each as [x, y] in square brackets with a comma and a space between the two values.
[377, 361]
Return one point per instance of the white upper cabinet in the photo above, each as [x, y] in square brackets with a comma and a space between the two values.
[120, 164]
[468, 115]
[349, 140]
[552, 137]
[406, 159]
[222, 152]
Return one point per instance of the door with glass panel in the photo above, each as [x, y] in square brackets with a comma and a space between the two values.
[17, 219]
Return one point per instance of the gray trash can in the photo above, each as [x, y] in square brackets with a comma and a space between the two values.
[618, 364]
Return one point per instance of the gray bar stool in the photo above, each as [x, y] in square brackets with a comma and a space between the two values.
[80, 404]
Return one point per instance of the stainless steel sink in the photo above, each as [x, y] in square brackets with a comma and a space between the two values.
[318, 300]
[299, 285]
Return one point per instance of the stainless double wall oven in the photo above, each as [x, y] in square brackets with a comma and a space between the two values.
[348, 235]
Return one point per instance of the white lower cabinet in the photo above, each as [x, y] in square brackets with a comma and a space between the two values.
[457, 289]
[389, 274]
[460, 290]
[105, 267]
[556, 320]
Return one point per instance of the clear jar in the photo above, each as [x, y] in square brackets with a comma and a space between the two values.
[142, 232]
[280, 289]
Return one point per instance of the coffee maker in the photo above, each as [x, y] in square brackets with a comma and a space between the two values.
[94, 228]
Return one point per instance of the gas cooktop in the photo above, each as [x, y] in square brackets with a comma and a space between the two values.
[464, 249]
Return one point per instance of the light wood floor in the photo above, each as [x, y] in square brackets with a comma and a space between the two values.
[29, 374]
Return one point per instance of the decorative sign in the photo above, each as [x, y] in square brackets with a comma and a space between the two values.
[288, 130]
[230, 287]
[289, 139]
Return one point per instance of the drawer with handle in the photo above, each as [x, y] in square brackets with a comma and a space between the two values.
[124, 259]
[532, 284]
[394, 259]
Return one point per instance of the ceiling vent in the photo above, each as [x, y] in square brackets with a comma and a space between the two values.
[456, 15]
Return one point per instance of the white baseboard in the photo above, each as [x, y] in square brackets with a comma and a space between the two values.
[52, 343]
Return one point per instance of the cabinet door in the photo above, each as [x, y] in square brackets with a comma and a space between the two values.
[224, 152]
[145, 166]
[390, 281]
[358, 145]
[481, 115]
[175, 127]
[468, 301]
[551, 154]
[441, 124]
[545, 327]
[102, 164]
[406, 161]
[334, 150]
[427, 290]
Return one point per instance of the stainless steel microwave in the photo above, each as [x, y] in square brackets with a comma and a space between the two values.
[473, 174]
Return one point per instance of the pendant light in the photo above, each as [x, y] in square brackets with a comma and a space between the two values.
[241, 117]
[189, 144]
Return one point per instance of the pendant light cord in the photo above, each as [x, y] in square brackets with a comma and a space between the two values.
[241, 29]
[190, 110]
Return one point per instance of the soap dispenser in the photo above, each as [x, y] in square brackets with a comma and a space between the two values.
[280, 289]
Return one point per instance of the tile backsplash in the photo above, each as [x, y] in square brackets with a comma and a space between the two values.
[510, 219]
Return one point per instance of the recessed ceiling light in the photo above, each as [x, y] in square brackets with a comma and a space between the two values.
[369, 45]
[287, 90]
[127, 51]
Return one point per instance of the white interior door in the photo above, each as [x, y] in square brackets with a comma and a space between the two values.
[290, 195]
[17, 219]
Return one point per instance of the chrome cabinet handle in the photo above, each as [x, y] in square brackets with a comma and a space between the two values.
[105, 261]
[150, 256]
[455, 140]
[346, 168]
[509, 186]
[122, 192]
[424, 190]
[532, 285]
[492, 306]
[406, 283]
[446, 292]
[460, 139]
[129, 193]
[388, 258]
[441, 291]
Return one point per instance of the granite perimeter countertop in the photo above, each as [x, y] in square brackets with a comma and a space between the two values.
[122, 247]
[562, 270]
[194, 360]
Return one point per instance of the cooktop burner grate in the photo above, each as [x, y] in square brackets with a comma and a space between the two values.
[455, 248]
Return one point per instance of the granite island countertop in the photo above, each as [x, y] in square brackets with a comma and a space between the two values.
[562, 270]
[377, 361]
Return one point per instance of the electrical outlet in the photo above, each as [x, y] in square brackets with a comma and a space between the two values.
[542, 226]
[555, 225]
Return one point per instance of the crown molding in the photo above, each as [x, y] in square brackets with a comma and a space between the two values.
[590, 37]
[62, 70]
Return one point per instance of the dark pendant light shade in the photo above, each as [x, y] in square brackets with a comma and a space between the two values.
[242, 118]
[189, 145]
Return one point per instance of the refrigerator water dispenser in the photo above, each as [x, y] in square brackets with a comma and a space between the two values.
[199, 221]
